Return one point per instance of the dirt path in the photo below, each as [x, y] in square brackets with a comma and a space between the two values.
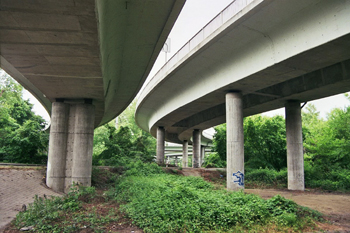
[336, 207]
[18, 187]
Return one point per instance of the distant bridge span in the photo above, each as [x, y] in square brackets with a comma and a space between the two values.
[268, 53]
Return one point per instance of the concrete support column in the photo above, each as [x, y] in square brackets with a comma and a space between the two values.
[295, 157]
[202, 155]
[175, 161]
[196, 148]
[160, 144]
[56, 164]
[185, 153]
[235, 141]
[83, 144]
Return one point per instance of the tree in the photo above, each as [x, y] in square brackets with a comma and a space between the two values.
[328, 142]
[22, 138]
[119, 145]
[264, 142]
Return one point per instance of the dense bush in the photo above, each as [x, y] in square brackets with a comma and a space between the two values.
[264, 142]
[326, 149]
[43, 213]
[159, 202]
[22, 139]
[118, 145]
[214, 160]
[265, 177]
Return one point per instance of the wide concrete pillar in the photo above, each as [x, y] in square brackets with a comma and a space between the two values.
[185, 153]
[235, 141]
[295, 157]
[196, 148]
[160, 144]
[56, 164]
[83, 144]
[70, 145]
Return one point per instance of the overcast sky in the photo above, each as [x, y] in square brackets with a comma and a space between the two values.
[194, 16]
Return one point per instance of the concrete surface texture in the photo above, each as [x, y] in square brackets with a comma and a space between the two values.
[185, 154]
[160, 145]
[196, 148]
[235, 141]
[101, 50]
[269, 50]
[71, 142]
[295, 152]
[18, 187]
[85, 54]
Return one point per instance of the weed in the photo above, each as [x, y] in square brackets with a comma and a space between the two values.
[167, 203]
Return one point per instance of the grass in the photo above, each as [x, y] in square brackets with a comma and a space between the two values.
[147, 198]
[169, 203]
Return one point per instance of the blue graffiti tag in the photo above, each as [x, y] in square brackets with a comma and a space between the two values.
[239, 178]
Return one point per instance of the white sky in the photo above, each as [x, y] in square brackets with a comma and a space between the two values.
[194, 16]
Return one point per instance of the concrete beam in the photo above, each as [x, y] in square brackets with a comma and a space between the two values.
[295, 157]
[235, 141]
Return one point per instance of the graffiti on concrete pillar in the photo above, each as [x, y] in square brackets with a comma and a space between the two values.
[238, 178]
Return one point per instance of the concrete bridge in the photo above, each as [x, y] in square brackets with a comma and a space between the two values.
[255, 56]
[84, 60]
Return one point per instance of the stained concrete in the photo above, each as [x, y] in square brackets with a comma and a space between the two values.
[71, 142]
[160, 145]
[185, 154]
[234, 141]
[76, 49]
[271, 51]
[295, 152]
[196, 147]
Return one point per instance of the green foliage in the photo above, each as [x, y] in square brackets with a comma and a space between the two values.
[265, 177]
[264, 142]
[119, 146]
[21, 137]
[44, 212]
[103, 178]
[167, 203]
[219, 141]
[327, 147]
[65, 214]
[214, 160]
[140, 168]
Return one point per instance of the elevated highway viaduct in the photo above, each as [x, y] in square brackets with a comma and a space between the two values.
[85, 61]
[255, 56]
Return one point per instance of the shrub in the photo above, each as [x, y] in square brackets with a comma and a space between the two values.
[265, 176]
[167, 203]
